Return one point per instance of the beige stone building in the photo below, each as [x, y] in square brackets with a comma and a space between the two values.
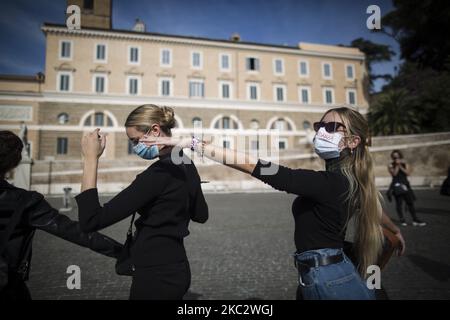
[96, 75]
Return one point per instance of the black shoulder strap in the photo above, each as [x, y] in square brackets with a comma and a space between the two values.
[130, 229]
[17, 209]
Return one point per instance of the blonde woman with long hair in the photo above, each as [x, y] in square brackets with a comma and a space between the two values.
[325, 203]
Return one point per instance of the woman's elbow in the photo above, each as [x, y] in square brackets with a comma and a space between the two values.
[88, 224]
[200, 216]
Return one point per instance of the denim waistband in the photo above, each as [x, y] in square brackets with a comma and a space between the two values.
[312, 254]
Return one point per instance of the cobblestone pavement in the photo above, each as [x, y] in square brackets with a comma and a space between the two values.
[243, 252]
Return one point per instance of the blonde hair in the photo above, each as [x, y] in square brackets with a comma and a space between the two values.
[363, 197]
[143, 117]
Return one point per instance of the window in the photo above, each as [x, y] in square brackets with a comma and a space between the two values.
[64, 82]
[327, 72]
[280, 93]
[328, 95]
[252, 64]
[225, 62]
[133, 85]
[133, 57]
[88, 4]
[165, 87]
[306, 125]
[303, 68]
[254, 124]
[197, 122]
[166, 57]
[281, 124]
[196, 60]
[98, 119]
[63, 118]
[278, 66]
[65, 52]
[196, 89]
[282, 144]
[100, 53]
[61, 145]
[253, 91]
[99, 84]
[351, 96]
[226, 144]
[226, 123]
[305, 95]
[225, 89]
[350, 72]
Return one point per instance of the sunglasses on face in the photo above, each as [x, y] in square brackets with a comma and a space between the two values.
[330, 127]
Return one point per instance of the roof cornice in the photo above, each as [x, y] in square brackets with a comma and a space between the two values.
[163, 38]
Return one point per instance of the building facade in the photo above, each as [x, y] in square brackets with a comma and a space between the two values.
[96, 75]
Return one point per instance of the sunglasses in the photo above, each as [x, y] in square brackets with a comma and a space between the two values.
[330, 127]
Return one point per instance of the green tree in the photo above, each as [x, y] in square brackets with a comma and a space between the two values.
[421, 28]
[374, 52]
[393, 112]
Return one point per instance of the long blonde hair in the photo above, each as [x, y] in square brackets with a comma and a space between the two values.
[363, 197]
[143, 117]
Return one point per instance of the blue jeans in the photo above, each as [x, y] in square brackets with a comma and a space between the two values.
[338, 281]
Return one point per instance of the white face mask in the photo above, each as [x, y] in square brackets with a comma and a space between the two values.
[326, 145]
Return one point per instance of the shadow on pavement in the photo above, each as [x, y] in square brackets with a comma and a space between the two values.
[437, 270]
[437, 212]
[192, 296]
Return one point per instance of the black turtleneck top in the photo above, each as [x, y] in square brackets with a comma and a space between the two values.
[167, 195]
[320, 210]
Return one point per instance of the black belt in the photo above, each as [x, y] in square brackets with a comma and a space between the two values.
[320, 261]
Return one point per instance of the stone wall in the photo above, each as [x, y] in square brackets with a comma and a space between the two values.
[428, 155]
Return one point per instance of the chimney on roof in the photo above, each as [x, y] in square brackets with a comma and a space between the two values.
[139, 26]
[235, 37]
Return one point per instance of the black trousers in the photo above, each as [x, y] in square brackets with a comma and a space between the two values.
[408, 199]
[162, 282]
[15, 290]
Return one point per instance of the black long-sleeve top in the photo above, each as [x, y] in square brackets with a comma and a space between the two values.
[166, 195]
[38, 214]
[320, 210]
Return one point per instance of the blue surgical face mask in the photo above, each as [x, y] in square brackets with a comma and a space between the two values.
[146, 152]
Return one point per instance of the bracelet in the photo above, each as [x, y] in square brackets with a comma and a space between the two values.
[194, 143]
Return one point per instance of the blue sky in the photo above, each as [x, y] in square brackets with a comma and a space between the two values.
[266, 21]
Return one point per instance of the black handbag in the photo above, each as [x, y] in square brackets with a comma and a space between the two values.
[124, 267]
[400, 189]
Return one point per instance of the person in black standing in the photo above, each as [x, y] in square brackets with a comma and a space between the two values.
[167, 195]
[401, 189]
[36, 214]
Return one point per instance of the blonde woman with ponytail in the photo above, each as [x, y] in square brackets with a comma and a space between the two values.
[325, 203]
[166, 196]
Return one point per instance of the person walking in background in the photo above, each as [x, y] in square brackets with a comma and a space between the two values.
[167, 195]
[21, 213]
[401, 188]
